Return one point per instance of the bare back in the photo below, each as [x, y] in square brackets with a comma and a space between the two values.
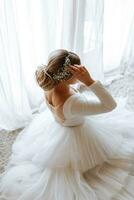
[55, 101]
[58, 98]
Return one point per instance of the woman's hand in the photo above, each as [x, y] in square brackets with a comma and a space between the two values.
[81, 73]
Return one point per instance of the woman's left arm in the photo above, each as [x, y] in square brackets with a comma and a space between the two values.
[83, 106]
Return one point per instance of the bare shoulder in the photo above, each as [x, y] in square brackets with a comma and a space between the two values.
[57, 98]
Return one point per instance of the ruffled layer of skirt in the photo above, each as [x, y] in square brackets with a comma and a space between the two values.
[93, 161]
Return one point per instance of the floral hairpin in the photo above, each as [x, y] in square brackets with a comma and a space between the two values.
[63, 73]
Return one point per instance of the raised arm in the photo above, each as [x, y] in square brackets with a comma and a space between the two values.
[81, 105]
[84, 106]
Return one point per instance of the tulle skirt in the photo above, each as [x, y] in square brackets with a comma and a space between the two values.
[92, 161]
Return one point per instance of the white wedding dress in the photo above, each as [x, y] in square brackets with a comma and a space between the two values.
[70, 153]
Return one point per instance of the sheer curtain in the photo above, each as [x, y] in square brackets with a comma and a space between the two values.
[127, 59]
[100, 31]
[29, 31]
[118, 34]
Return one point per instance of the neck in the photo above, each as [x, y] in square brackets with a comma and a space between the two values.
[62, 87]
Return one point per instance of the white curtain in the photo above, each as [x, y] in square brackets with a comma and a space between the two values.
[127, 60]
[29, 31]
[118, 35]
[100, 31]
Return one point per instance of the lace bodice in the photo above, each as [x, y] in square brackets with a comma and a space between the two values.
[77, 106]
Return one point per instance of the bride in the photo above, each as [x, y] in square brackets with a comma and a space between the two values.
[74, 149]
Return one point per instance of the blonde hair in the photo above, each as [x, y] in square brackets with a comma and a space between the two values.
[56, 60]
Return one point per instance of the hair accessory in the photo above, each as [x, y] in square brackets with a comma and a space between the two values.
[63, 73]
